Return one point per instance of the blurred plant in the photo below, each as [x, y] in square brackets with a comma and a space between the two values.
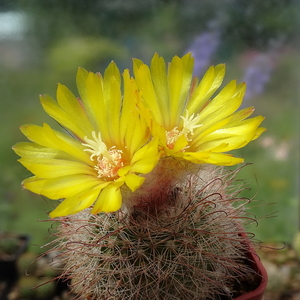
[83, 51]
[253, 24]
[6, 210]
[244, 23]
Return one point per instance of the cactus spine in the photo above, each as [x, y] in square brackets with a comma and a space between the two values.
[185, 242]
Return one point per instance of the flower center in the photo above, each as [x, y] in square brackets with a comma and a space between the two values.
[189, 124]
[172, 136]
[109, 161]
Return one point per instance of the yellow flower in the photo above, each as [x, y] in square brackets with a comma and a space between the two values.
[112, 138]
[108, 145]
[189, 124]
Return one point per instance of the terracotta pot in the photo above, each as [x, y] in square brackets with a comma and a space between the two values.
[257, 265]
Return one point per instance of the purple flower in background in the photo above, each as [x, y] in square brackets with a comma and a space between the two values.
[202, 48]
[258, 72]
[258, 66]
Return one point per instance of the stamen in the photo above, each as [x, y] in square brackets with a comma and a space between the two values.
[189, 124]
[108, 161]
[109, 168]
[172, 135]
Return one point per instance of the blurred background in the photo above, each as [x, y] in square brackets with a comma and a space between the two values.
[44, 42]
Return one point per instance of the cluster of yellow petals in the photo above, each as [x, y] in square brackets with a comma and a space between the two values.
[119, 129]
[188, 122]
[109, 145]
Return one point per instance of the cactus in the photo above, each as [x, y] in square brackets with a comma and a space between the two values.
[144, 212]
[188, 245]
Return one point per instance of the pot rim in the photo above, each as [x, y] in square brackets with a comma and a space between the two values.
[258, 267]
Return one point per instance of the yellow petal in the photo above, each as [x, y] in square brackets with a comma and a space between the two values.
[130, 99]
[137, 135]
[180, 144]
[146, 158]
[113, 110]
[68, 111]
[179, 80]
[144, 81]
[240, 115]
[196, 157]
[258, 133]
[134, 181]
[81, 78]
[111, 71]
[223, 105]
[75, 204]
[90, 87]
[224, 159]
[213, 158]
[60, 187]
[48, 137]
[123, 171]
[234, 137]
[229, 143]
[52, 108]
[28, 149]
[210, 82]
[246, 126]
[109, 200]
[201, 134]
[134, 132]
[52, 168]
[160, 83]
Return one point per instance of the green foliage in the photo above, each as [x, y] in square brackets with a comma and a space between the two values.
[253, 24]
[83, 51]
